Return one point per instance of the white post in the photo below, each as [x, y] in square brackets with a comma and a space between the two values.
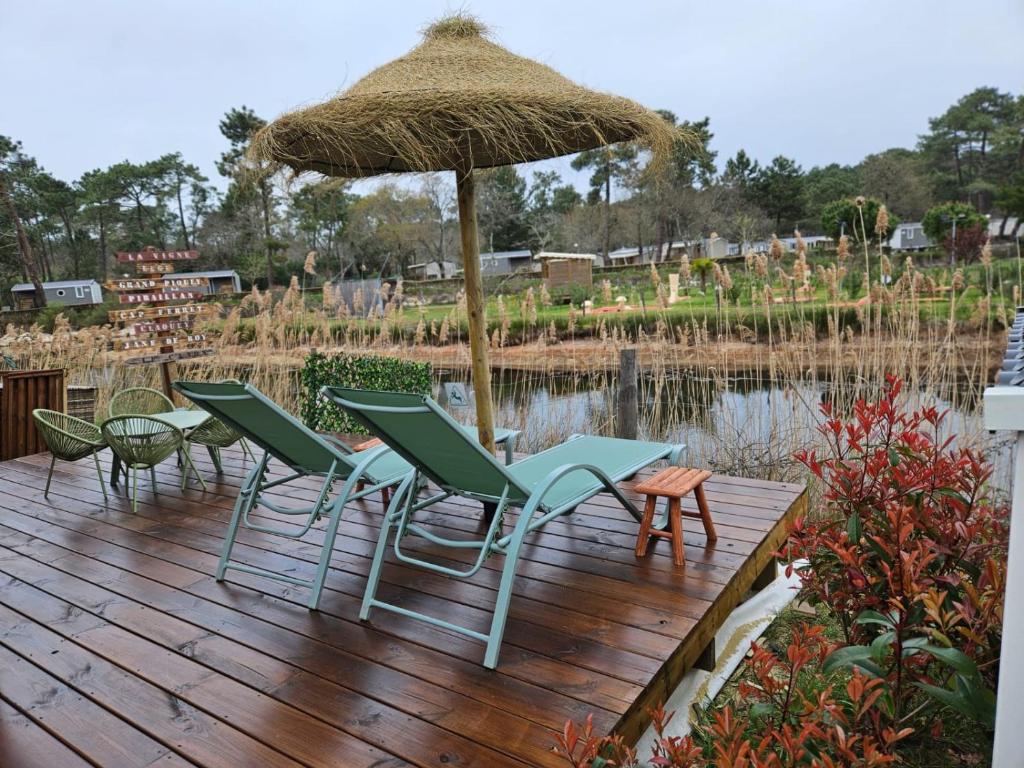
[1008, 749]
[1004, 410]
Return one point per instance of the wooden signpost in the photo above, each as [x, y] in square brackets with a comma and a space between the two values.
[154, 267]
[161, 323]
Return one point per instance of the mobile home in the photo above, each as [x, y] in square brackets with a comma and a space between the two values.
[71, 293]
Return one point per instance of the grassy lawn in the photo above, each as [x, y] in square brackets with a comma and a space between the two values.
[743, 305]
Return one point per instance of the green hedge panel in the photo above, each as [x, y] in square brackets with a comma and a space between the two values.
[360, 371]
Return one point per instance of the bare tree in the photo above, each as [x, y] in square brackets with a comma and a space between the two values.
[28, 263]
[440, 195]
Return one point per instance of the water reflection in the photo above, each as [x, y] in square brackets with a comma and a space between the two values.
[745, 425]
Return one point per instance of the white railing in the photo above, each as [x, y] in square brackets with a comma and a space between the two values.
[1004, 410]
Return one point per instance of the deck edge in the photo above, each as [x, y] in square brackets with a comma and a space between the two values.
[635, 720]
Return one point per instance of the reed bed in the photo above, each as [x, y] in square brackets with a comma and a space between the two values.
[741, 388]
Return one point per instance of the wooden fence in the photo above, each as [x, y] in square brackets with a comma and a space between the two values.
[21, 392]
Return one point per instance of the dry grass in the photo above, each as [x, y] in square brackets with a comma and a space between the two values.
[742, 407]
[456, 101]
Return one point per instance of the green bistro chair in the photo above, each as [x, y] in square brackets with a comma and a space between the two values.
[281, 436]
[543, 486]
[214, 434]
[69, 439]
[142, 442]
[139, 401]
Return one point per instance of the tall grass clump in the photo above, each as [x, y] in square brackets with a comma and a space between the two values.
[740, 379]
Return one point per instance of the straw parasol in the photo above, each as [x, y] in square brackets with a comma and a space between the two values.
[457, 102]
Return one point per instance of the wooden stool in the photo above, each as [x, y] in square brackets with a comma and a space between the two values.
[673, 483]
[373, 442]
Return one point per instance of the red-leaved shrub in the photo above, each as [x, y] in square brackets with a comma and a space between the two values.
[907, 555]
[785, 716]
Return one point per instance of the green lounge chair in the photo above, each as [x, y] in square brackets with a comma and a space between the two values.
[263, 423]
[543, 486]
[504, 437]
[215, 435]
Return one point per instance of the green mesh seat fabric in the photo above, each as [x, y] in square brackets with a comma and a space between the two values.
[617, 458]
[142, 442]
[544, 486]
[246, 411]
[69, 439]
[139, 401]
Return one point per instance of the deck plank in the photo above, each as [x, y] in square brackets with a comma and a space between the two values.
[163, 715]
[100, 737]
[278, 676]
[25, 744]
[212, 545]
[432, 662]
[127, 601]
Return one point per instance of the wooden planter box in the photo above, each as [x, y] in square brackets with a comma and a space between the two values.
[81, 403]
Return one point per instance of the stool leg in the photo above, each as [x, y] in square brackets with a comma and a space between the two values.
[385, 495]
[644, 537]
[675, 522]
[705, 514]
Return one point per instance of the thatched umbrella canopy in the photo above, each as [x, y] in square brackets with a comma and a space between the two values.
[457, 102]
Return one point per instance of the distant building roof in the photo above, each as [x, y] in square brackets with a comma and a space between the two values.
[995, 223]
[422, 264]
[210, 273]
[808, 240]
[623, 253]
[525, 253]
[628, 252]
[545, 255]
[54, 284]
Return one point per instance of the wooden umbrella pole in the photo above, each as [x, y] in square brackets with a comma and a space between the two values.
[476, 307]
[167, 378]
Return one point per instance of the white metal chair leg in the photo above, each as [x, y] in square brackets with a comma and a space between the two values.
[326, 550]
[245, 501]
[373, 579]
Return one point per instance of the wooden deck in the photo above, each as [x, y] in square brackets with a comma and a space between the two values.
[118, 648]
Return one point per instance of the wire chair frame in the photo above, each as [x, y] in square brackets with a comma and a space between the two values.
[142, 442]
[139, 401]
[69, 439]
[214, 434]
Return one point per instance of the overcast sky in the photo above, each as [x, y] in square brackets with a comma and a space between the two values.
[91, 83]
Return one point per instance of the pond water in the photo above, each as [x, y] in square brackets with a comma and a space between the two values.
[747, 426]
